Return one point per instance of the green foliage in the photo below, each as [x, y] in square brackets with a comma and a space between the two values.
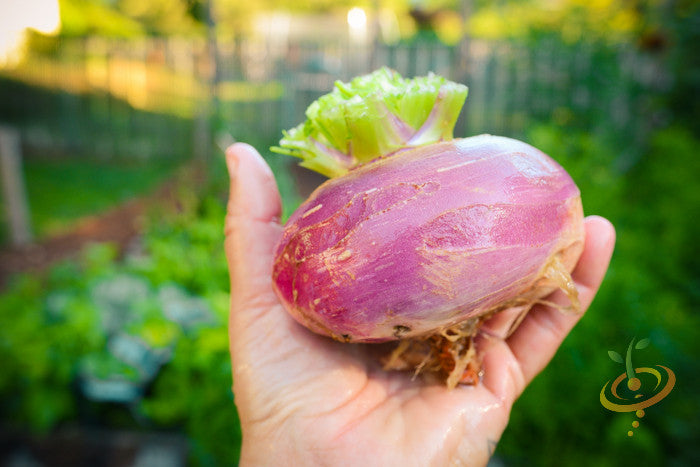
[571, 20]
[59, 334]
[129, 18]
[348, 126]
[193, 390]
[83, 17]
[173, 17]
[47, 325]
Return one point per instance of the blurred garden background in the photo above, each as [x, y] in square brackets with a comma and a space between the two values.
[113, 286]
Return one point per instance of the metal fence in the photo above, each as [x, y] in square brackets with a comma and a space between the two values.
[159, 97]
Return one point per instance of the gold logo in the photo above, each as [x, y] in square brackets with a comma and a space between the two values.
[643, 386]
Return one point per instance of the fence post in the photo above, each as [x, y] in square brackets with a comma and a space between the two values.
[13, 186]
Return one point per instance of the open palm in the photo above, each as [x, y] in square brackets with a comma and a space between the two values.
[304, 399]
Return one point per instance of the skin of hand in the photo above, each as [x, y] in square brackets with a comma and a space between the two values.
[305, 399]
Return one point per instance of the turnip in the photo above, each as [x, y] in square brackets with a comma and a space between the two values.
[419, 237]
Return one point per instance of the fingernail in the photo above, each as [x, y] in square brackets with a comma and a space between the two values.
[232, 161]
[246, 151]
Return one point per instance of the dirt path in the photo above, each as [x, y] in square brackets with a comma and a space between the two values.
[118, 225]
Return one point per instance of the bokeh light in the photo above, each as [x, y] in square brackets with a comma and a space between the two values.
[19, 15]
[357, 18]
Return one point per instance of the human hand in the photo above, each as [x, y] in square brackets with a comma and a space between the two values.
[305, 399]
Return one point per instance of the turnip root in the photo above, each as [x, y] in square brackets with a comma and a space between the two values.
[422, 242]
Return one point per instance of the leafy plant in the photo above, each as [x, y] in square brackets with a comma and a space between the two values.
[148, 333]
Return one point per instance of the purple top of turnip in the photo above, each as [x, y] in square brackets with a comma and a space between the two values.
[417, 242]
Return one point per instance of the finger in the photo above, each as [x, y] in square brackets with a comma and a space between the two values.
[511, 364]
[502, 322]
[541, 333]
[252, 225]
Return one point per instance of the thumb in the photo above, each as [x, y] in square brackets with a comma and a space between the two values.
[270, 352]
[252, 227]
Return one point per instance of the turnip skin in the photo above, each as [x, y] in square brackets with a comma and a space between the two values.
[414, 243]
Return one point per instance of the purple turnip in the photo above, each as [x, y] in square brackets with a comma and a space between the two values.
[418, 237]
